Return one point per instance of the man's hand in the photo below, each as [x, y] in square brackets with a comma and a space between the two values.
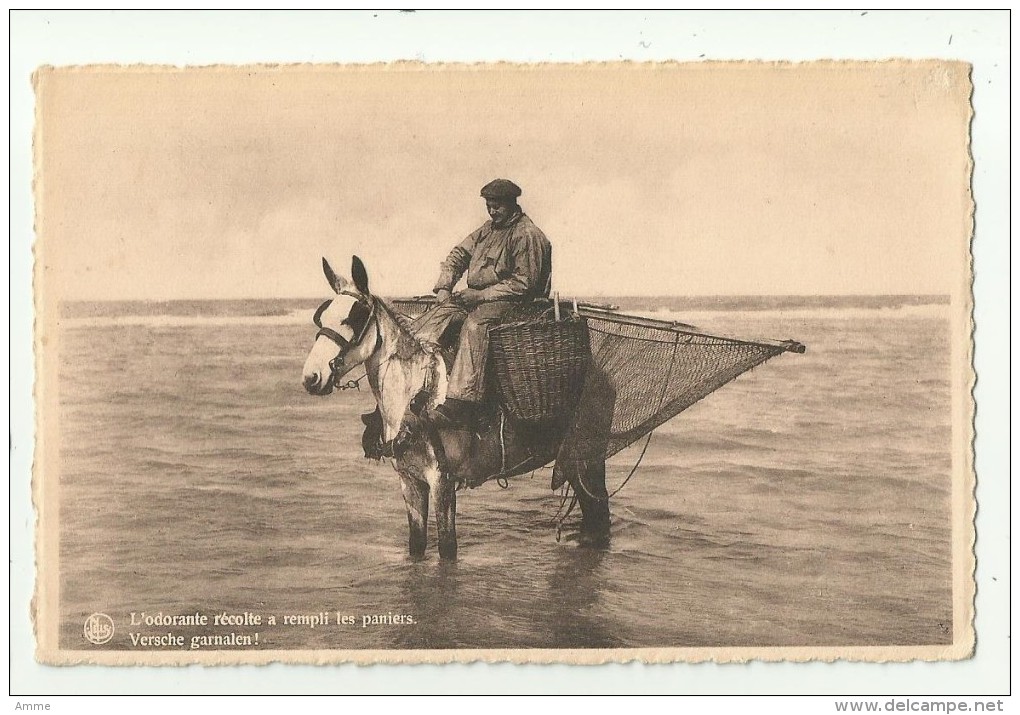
[469, 297]
[442, 295]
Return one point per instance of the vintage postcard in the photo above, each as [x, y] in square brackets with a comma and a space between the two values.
[554, 363]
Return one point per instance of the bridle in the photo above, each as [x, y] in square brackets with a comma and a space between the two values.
[343, 343]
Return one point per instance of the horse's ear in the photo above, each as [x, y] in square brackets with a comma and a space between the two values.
[337, 283]
[360, 275]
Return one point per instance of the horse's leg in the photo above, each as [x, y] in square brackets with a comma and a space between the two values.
[593, 499]
[416, 499]
[444, 506]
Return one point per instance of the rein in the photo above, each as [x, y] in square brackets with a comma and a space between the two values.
[343, 343]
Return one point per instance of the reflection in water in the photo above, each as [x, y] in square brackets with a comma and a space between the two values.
[430, 588]
[578, 619]
[454, 609]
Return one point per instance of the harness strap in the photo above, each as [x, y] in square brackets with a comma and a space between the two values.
[340, 340]
[342, 343]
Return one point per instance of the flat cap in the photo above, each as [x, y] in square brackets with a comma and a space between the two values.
[501, 189]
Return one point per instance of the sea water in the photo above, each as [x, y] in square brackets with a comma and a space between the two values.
[805, 503]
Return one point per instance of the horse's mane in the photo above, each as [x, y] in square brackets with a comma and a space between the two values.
[407, 344]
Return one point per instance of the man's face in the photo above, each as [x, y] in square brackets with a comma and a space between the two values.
[499, 210]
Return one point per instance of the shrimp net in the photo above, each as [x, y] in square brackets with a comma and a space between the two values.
[643, 373]
[644, 376]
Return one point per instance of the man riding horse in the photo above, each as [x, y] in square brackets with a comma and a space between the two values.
[507, 261]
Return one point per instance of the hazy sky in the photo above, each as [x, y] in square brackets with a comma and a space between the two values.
[677, 179]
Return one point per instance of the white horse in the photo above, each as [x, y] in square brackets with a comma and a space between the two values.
[357, 328]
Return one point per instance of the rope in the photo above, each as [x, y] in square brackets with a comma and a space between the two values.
[648, 439]
[408, 331]
[430, 375]
[567, 492]
[634, 469]
[503, 474]
[720, 343]
[585, 488]
[502, 441]
[564, 493]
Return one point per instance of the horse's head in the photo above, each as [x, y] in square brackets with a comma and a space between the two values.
[347, 330]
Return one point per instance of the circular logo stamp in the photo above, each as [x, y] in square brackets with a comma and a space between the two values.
[98, 628]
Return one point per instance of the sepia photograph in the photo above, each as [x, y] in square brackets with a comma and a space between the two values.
[318, 376]
[426, 360]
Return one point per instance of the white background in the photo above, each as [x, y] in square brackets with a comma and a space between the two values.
[181, 38]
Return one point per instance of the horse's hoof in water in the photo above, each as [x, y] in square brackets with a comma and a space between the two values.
[593, 540]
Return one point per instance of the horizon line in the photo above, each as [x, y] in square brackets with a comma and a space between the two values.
[563, 297]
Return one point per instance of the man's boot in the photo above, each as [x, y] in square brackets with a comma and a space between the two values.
[410, 424]
[371, 439]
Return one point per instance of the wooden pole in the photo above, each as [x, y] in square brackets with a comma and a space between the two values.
[791, 346]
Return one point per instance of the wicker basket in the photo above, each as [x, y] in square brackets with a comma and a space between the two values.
[540, 366]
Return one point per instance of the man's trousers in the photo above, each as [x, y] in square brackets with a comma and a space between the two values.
[467, 379]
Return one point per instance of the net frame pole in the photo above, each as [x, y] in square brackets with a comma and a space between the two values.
[677, 327]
